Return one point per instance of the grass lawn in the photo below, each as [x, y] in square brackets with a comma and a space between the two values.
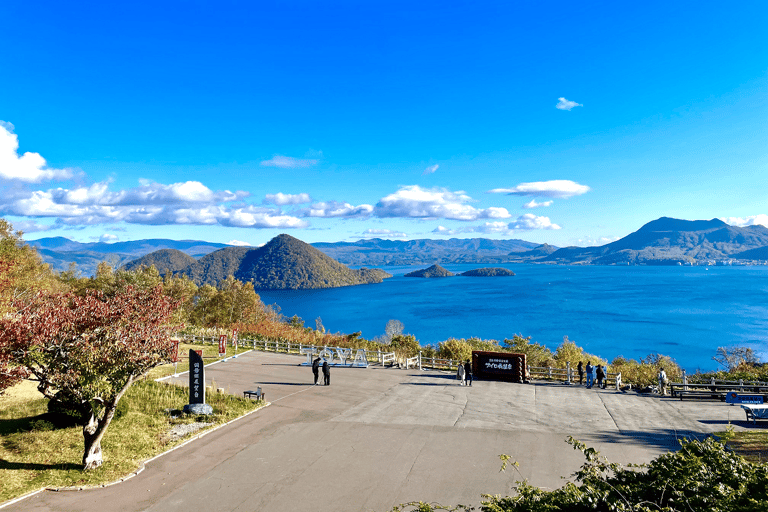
[752, 445]
[39, 450]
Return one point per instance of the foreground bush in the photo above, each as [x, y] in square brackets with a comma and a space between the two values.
[701, 477]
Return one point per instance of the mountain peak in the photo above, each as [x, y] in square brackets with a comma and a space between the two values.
[670, 224]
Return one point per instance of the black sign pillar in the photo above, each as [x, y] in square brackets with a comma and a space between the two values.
[197, 403]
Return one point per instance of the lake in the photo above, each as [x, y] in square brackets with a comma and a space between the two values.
[683, 312]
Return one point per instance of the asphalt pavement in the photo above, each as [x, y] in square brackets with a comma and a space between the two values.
[378, 437]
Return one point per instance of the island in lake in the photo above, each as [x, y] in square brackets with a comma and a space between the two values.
[438, 271]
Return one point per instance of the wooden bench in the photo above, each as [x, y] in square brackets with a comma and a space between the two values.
[699, 393]
[258, 394]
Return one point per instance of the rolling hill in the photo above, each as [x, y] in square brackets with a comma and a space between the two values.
[283, 263]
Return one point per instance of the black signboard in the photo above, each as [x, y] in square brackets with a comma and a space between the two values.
[499, 366]
[196, 378]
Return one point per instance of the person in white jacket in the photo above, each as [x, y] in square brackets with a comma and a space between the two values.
[662, 382]
[461, 375]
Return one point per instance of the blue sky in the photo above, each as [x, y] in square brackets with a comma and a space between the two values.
[233, 122]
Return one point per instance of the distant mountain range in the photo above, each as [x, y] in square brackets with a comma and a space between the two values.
[60, 252]
[379, 252]
[662, 241]
[668, 241]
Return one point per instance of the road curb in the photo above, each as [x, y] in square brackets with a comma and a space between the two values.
[141, 467]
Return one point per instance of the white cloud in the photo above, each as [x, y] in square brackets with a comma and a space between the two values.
[589, 241]
[387, 233]
[531, 221]
[414, 201]
[564, 104]
[108, 238]
[152, 203]
[741, 222]
[533, 204]
[553, 188]
[288, 162]
[283, 199]
[147, 193]
[29, 167]
[238, 243]
[430, 169]
[338, 209]
[442, 230]
[524, 222]
[29, 226]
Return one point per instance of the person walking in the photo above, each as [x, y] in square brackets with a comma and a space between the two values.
[316, 369]
[580, 369]
[468, 372]
[589, 374]
[460, 374]
[326, 373]
[600, 376]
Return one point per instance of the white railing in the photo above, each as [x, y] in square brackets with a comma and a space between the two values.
[569, 375]
[412, 362]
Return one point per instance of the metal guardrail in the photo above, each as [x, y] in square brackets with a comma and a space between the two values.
[568, 375]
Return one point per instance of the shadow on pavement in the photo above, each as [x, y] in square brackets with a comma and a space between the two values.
[284, 383]
[668, 439]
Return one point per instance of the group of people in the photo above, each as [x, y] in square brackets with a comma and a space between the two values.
[595, 375]
[464, 374]
[326, 371]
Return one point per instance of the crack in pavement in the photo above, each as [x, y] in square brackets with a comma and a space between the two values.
[605, 406]
[463, 410]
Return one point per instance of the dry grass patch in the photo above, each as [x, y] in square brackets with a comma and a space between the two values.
[40, 450]
[753, 445]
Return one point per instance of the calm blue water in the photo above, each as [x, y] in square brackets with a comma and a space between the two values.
[682, 312]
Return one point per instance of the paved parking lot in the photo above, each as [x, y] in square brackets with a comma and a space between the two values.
[378, 437]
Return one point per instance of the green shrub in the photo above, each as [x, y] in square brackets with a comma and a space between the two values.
[569, 352]
[536, 354]
[645, 372]
[700, 477]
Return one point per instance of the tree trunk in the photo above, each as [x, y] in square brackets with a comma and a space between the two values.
[92, 453]
[94, 429]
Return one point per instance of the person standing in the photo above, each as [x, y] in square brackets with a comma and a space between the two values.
[600, 376]
[326, 373]
[580, 369]
[589, 374]
[316, 369]
[663, 381]
[468, 372]
[460, 374]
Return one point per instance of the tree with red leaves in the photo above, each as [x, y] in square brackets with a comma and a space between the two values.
[89, 349]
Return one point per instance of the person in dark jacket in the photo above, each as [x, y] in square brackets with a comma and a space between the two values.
[590, 376]
[316, 369]
[600, 376]
[326, 373]
[468, 372]
[580, 369]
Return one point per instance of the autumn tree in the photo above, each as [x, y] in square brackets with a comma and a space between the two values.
[89, 349]
[233, 302]
[183, 291]
[22, 271]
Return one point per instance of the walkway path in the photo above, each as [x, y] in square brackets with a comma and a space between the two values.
[379, 437]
